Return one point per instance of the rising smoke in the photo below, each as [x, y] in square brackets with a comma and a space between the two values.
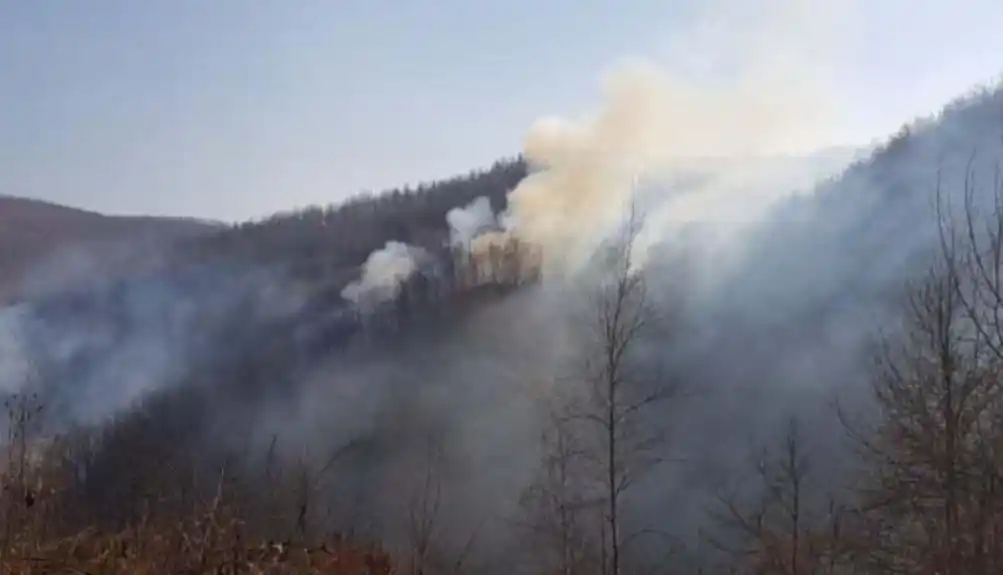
[785, 325]
[383, 273]
[656, 122]
[470, 221]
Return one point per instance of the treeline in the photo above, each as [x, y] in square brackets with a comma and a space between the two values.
[455, 279]
[322, 242]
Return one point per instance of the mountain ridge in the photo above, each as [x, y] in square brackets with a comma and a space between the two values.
[33, 231]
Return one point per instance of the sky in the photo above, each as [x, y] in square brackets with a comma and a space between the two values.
[229, 109]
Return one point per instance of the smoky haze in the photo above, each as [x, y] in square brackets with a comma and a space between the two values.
[771, 269]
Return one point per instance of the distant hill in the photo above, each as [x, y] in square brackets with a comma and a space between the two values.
[33, 231]
[66, 248]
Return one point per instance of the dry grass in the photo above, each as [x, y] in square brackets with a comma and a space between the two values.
[212, 540]
[41, 527]
[192, 548]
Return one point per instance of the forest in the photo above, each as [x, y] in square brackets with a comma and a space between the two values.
[374, 388]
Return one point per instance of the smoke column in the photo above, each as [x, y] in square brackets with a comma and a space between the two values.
[383, 272]
[654, 122]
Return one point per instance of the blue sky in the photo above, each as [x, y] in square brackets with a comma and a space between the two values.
[232, 109]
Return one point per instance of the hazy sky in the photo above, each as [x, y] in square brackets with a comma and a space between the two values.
[232, 109]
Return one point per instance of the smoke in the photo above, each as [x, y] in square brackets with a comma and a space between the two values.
[383, 273]
[704, 159]
[97, 349]
[702, 156]
[13, 365]
[655, 122]
[470, 221]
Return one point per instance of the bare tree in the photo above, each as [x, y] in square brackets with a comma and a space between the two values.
[621, 441]
[559, 504]
[17, 493]
[788, 526]
[434, 544]
[929, 501]
[424, 508]
[972, 252]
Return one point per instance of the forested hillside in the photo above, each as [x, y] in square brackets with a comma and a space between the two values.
[361, 375]
[236, 327]
[318, 240]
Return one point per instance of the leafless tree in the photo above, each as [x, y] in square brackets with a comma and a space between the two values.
[423, 511]
[932, 494]
[560, 505]
[18, 493]
[620, 439]
[972, 252]
[788, 526]
[434, 547]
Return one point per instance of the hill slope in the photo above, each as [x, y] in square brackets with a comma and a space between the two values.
[223, 358]
[32, 231]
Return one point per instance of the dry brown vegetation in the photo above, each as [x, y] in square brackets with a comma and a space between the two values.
[46, 528]
[925, 497]
[927, 500]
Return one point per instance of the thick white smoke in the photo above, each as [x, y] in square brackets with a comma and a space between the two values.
[656, 121]
[471, 220]
[383, 273]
